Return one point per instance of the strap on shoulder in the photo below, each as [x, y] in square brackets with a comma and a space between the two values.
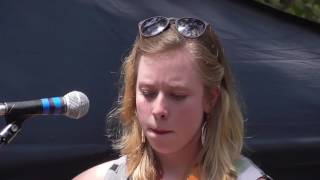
[247, 170]
[265, 177]
[117, 171]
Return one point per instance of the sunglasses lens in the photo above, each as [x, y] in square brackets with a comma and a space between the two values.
[190, 27]
[153, 26]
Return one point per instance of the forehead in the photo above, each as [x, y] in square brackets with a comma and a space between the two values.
[170, 67]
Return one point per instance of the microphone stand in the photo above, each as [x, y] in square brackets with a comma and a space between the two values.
[13, 127]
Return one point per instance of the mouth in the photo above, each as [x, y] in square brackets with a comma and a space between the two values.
[160, 131]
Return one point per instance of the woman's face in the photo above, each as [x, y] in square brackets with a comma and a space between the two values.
[169, 100]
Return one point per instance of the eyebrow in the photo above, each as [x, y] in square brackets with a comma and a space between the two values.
[170, 87]
[145, 84]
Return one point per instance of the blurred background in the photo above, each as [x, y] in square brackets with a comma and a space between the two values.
[51, 47]
[307, 9]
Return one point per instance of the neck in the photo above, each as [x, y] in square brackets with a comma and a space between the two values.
[180, 163]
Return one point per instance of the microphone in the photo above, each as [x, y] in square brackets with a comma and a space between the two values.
[74, 105]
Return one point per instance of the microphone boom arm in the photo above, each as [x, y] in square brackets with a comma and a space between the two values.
[9, 132]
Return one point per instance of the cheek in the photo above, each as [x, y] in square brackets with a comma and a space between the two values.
[189, 115]
[143, 109]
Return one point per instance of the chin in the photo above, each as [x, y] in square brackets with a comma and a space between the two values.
[164, 148]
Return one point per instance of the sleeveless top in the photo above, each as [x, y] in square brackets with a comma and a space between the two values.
[246, 170]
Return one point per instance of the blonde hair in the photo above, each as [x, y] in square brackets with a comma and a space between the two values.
[224, 138]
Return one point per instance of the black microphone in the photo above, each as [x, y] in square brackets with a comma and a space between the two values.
[74, 105]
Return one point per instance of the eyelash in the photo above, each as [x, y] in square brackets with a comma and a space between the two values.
[148, 94]
[151, 94]
[178, 97]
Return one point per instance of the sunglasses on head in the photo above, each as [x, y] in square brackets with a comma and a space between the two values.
[187, 27]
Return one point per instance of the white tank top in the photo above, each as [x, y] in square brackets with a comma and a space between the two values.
[246, 170]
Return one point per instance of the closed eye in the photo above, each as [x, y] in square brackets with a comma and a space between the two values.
[178, 97]
[149, 94]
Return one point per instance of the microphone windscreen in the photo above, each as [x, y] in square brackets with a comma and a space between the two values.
[77, 104]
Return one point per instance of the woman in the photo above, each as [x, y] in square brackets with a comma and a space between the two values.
[179, 112]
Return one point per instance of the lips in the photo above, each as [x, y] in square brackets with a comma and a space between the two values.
[160, 131]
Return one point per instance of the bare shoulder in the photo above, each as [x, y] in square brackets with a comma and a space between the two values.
[95, 173]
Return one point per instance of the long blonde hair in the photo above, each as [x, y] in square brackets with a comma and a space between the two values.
[225, 123]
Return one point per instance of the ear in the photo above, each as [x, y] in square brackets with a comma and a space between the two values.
[212, 99]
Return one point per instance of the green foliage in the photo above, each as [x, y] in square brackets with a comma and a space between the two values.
[309, 9]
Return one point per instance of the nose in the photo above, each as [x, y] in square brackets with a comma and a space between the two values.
[160, 108]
